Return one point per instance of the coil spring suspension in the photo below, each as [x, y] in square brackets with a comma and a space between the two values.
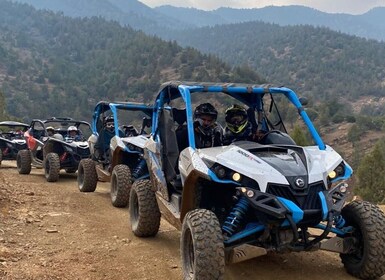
[139, 169]
[235, 217]
[339, 221]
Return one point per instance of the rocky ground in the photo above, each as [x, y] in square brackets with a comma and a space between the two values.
[52, 231]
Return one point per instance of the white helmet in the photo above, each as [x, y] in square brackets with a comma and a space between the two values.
[72, 128]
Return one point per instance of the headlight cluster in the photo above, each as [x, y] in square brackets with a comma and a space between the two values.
[69, 149]
[224, 173]
[337, 172]
[134, 148]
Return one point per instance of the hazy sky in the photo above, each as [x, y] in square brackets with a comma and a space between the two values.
[330, 6]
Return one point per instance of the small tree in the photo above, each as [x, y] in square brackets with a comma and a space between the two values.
[371, 179]
[300, 137]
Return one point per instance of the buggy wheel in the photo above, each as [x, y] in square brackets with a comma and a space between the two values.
[120, 185]
[51, 166]
[144, 211]
[24, 161]
[367, 261]
[70, 170]
[87, 176]
[202, 249]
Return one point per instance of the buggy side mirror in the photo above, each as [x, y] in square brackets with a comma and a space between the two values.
[147, 122]
[304, 101]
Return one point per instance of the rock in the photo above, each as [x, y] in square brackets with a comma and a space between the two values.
[20, 234]
[52, 230]
[30, 193]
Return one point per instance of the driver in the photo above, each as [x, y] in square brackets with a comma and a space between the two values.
[50, 131]
[73, 134]
[208, 133]
[105, 136]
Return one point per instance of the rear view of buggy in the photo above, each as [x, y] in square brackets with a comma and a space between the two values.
[246, 199]
[11, 139]
[116, 149]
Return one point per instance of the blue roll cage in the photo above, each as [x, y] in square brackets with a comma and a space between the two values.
[250, 95]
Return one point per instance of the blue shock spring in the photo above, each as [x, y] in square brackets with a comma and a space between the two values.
[339, 221]
[235, 217]
[139, 169]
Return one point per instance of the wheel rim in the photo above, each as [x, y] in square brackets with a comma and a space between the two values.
[357, 256]
[18, 163]
[81, 176]
[47, 168]
[134, 204]
[189, 253]
[113, 187]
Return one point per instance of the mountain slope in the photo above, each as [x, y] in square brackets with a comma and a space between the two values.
[55, 65]
[131, 12]
[317, 61]
[368, 25]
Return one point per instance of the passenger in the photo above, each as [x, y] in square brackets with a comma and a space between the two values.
[50, 131]
[208, 133]
[238, 127]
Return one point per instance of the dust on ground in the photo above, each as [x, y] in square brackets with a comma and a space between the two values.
[53, 231]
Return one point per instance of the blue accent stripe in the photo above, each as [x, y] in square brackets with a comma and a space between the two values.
[244, 233]
[333, 230]
[324, 206]
[215, 178]
[297, 212]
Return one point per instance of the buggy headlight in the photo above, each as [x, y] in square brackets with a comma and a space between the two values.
[236, 177]
[332, 174]
[338, 171]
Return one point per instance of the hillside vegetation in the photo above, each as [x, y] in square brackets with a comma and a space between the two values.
[316, 61]
[55, 65]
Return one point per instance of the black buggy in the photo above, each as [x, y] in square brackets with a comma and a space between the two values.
[11, 139]
[54, 151]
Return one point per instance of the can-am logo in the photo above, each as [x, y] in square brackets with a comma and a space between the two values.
[300, 182]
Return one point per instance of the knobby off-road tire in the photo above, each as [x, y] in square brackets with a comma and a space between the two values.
[368, 221]
[87, 176]
[144, 210]
[202, 249]
[24, 161]
[51, 166]
[120, 185]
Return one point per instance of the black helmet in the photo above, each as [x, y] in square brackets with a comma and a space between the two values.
[236, 118]
[109, 123]
[205, 109]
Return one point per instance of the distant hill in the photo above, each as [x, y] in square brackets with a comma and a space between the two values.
[369, 25]
[126, 12]
[52, 65]
[164, 19]
[316, 61]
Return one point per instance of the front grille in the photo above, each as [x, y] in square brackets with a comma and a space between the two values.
[20, 146]
[305, 199]
[83, 153]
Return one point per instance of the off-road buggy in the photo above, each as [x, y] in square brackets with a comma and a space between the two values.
[122, 161]
[54, 152]
[240, 201]
[11, 139]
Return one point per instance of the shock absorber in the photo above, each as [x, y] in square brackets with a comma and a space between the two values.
[235, 217]
[339, 221]
[139, 169]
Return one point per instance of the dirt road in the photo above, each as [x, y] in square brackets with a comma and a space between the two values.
[52, 231]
